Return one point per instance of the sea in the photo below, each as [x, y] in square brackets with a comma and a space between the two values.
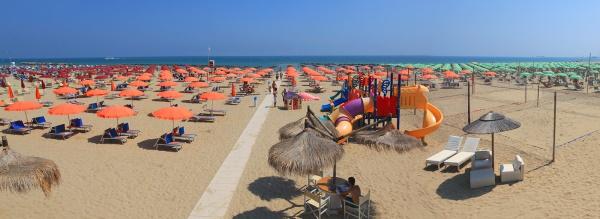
[267, 61]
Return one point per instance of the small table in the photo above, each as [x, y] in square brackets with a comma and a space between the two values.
[323, 184]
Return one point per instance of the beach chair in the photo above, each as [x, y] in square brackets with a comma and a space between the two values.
[189, 90]
[111, 134]
[60, 131]
[121, 87]
[362, 210]
[514, 171]
[450, 149]
[202, 118]
[4, 121]
[166, 140]
[77, 125]
[75, 102]
[18, 127]
[233, 101]
[179, 134]
[469, 148]
[40, 122]
[92, 108]
[123, 130]
[481, 173]
[47, 103]
[315, 203]
[215, 112]
[101, 104]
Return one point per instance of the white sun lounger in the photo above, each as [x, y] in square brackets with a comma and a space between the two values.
[450, 149]
[469, 148]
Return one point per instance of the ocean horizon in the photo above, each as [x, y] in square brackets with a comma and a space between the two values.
[263, 61]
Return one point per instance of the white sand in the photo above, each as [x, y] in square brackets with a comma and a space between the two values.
[126, 181]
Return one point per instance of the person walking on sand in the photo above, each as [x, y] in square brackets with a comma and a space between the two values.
[255, 98]
[274, 98]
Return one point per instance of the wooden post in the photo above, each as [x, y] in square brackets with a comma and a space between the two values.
[375, 95]
[538, 95]
[493, 154]
[398, 102]
[554, 131]
[469, 102]
[526, 85]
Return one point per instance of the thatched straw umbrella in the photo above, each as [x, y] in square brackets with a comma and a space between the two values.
[491, 123]
[20, 173]
[326, 128]
[305, 153]
[386, 138]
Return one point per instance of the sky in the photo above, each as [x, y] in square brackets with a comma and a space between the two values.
[68, 28]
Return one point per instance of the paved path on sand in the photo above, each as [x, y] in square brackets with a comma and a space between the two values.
[217, 196]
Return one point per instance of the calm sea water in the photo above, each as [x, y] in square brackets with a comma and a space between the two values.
[284, 60]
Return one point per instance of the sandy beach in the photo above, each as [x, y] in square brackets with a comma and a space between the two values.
[130, 181]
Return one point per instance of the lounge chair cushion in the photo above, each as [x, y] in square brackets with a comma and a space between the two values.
[459, 158]
[440, 157]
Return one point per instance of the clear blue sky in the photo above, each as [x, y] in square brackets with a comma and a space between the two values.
[64, 28]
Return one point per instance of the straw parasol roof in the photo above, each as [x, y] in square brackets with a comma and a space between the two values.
[491, 122]
[294, 128]
[386, 138]
[304, 153]
[20, 173]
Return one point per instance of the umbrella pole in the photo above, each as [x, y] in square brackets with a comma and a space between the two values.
[334, 175]
[468, 102]
[554, 130]
[26, 119]
[493, 154]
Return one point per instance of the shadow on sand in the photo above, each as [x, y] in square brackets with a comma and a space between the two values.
[260, 212]
[457, 188]
[274, 187]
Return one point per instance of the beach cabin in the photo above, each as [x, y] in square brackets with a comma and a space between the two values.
[292, 101]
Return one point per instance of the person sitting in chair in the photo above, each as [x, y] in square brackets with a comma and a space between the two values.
[353, 193]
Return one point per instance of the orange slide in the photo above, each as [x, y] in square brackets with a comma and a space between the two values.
[414, 97]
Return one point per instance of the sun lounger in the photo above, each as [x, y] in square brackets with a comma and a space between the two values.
[18, 127]
[514, 171]
[75, 102]
[60, 131]
[123, 130]
[40, 122]
[93, 107]
[77, 125]
[179, 134]
[234, 101]
[214, 112]
[4, 121]
[469, 148]
[450, 149]
[47, 103]
[166, 140]
[111, 134]
[202, 118]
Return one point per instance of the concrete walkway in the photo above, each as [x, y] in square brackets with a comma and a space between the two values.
[217, 196]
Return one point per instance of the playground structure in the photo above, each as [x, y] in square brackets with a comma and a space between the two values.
[351, 105]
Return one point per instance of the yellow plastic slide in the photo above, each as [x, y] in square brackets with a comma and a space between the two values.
[415, 97]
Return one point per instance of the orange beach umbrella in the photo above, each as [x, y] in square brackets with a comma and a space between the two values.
[173, 113]
[138, 84]
[198, 84]
[170, 94]
[65, 90]
[131, 93]
[115, 112]
[66, 109]
[167, 84]
[24, 106]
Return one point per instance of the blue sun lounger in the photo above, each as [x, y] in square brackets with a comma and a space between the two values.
[60, 131]
[18, 127]
[167, 141]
